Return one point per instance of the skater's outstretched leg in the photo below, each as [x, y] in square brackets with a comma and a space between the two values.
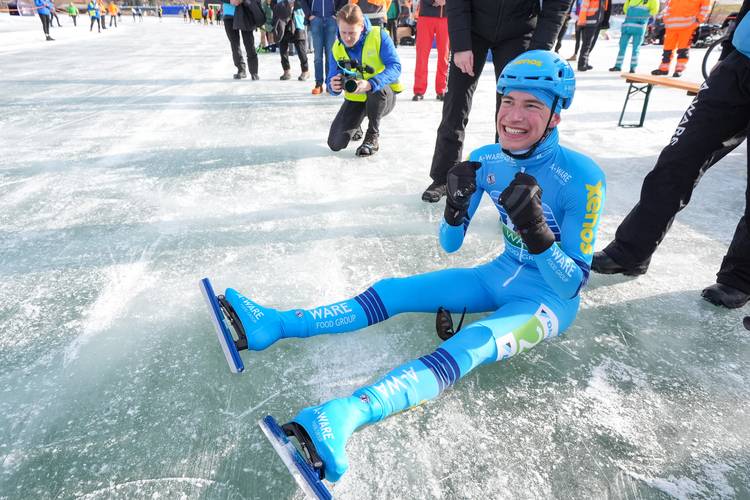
[421, 293]
[513, 329]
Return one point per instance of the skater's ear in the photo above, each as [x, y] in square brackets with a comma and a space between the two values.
[554, 121]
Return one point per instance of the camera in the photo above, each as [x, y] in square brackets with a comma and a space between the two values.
[352, 72]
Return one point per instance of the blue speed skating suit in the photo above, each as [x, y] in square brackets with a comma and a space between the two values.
[532, 297]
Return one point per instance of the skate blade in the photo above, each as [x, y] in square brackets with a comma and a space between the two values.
[222, 332]
[303, 473]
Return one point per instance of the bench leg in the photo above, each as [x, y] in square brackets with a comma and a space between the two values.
[634, 89]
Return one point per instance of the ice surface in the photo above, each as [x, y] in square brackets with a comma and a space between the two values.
[132, 166]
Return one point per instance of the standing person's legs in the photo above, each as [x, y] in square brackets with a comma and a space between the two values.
[301, 46]
[637, 34]
[346, 124]
[233, 36]
[317, 26]
[74, 20]
[443, 50]
[455, 116]
[625, 36]
[252, 56]
[284, 54]
[714, 124]
[587, 43]
[425, 33]
[578, 43]
[330, 30]
[735, 267]
[561, 34]
[684, 38]
[45, 24]
[670, 43]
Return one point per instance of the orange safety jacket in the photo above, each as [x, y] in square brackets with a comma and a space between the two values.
[112, 8]
[685, 14]
[592, 12]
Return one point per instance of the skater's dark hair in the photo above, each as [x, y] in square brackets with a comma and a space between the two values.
[351, 14]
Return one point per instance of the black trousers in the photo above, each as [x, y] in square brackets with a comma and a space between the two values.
[299, 45]
[457, 103]
[98, 24]
[561, 34]
[45, 23]
[74, 20]
[112, 18]
[589, 35]
[351, 115]
[247, 40]
[715, 123]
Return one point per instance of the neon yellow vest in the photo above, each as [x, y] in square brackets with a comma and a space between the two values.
[370, 57]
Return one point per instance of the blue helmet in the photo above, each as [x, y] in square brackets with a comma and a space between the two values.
[540, 70]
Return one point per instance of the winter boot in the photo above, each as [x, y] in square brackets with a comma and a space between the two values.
[660, 71]
[615, 68]
[440, 97]
[317, 89]
[254, 76]
[724, 295]
[286, 76]
[303, 76]
[357, 135]
[434, 192]
[417, 97]
[604, 264]
[240, 73]
[369, 146]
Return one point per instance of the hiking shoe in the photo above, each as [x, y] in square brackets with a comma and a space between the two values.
[369, 146]
[434, 192]
[724, 295]
[604, 264]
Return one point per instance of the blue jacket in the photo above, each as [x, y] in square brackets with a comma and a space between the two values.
[741, 40]
[43, 7]
[388, 55]
[321, 8]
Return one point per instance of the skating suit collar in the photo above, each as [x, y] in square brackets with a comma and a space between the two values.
[542, 156]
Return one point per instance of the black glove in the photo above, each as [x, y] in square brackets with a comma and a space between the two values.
[522, 200]
[460, 185]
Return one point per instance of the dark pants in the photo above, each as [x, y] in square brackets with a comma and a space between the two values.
[300, 45]
[98, 24]
[588, 39]
[112, 18]
[352, 114]
[578, 40]
[74, 20]
[54, 17]
[45, 23]
[457, 103]
[561, 34]
[247, 40]
[714, 124]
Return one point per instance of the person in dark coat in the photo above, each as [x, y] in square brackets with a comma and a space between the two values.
[505, 27]
[289, 27]
[239, 21]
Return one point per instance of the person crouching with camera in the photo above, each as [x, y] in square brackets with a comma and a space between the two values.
[366, 68]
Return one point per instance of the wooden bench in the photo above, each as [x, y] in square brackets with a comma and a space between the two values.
[644, 83]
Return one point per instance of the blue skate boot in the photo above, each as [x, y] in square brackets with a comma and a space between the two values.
[329, 426]
[262, 325]
[241, 324]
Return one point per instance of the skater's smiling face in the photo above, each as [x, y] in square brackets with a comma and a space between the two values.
[350, 33]
[522, 120]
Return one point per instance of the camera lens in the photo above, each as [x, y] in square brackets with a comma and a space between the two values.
[350, 85]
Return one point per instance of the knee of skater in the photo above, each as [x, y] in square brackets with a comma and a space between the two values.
[337, 144]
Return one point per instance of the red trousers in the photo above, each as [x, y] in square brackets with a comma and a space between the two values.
[427, 27]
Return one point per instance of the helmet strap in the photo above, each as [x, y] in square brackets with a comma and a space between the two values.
[527, 154]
